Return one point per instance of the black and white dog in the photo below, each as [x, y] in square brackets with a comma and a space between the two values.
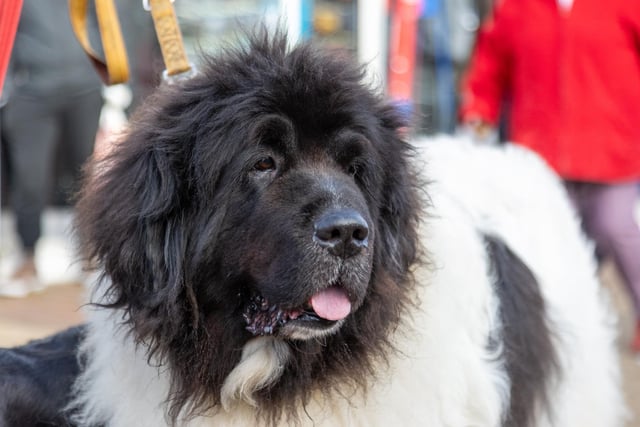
[275, 252]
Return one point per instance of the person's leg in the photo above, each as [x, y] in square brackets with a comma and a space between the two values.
[613, 226]
[608, 218]
[81, 117]
[30, 132]
[582, 197]
[608, 212]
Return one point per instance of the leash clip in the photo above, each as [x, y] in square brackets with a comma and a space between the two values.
[177, 78]
[165, 21]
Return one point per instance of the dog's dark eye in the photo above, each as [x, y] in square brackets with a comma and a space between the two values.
[265, 164]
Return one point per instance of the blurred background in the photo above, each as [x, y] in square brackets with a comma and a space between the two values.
[415, 51]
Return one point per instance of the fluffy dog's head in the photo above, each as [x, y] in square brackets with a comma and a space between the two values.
[266, 200]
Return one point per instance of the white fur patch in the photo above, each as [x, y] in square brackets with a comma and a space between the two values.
[263, 360]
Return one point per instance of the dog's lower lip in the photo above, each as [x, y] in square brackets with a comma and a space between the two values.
[309, 315]
[307, 319]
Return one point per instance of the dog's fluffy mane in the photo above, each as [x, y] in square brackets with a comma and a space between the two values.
[155, 215]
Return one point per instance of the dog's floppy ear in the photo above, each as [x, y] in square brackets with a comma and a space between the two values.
[129, 223]
[400, 205]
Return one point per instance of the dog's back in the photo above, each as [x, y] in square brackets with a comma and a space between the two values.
[507, 205]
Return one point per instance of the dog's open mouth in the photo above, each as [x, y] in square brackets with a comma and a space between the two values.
[322, 311]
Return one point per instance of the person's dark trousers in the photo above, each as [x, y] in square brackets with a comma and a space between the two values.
[32, 128]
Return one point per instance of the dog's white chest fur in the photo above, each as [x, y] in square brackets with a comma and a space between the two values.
[444, 374]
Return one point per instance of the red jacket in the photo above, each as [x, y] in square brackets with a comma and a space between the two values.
[573, 80]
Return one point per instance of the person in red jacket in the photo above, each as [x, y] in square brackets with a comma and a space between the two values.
[571, 72]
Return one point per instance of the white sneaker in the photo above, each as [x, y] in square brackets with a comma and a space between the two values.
[22, 282]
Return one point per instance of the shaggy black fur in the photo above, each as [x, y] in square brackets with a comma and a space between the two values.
[36, 380]
[528, 348]
[212, 197]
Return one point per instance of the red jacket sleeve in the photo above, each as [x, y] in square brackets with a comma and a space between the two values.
[633, 21]
[487, 77]
[9, 17]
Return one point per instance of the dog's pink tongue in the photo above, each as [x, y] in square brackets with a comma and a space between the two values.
[331, 303]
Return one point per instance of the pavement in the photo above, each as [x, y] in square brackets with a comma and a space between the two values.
[60, 304]
[40, 314]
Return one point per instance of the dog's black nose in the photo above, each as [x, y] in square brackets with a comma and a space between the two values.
[344, 233]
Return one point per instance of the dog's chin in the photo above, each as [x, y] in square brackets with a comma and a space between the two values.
[307, 329]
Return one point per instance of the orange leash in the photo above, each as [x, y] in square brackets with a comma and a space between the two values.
[169, 37]
[115, 69]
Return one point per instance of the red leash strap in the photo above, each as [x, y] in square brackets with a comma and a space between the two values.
[9, 17]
